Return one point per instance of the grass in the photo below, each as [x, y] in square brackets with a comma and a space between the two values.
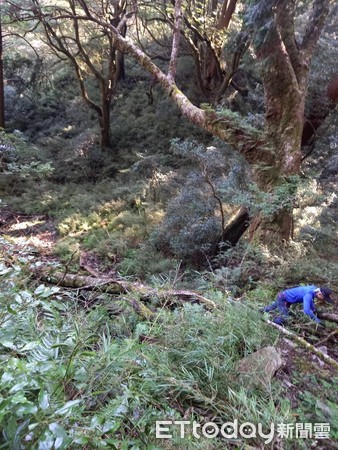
[83, 376]
[74, 377]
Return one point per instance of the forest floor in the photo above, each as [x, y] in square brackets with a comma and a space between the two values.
[310, 384]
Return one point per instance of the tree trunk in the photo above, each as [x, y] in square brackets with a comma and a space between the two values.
[226, 14]
[208, 51]
[235, 229]
[332, 89]
[321, 106]
[286, 67]
[213, 73]
[275, 230]
[120, 67]
[119, 60]
[2, 89]
[105, 138]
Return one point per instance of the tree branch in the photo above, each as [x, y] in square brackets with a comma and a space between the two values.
[285, 20]
[176, 41]
[327, 338]
[327, 316]
[314, 27]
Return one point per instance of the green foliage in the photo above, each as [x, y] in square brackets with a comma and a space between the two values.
[213, 181]
[15, 148]
[281, 198]
[262, 294]
[318, 399]
[259, 19]
[71, 379]
[238, 268]
[192, 226]
[109, 229]
[35, 170]
[77, 155]
[147, 128]
[297, 269]
[47, 364]
[21, 164]
[144, 261]
[190, 229]
[198, 363]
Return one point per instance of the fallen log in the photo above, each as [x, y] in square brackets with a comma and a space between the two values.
[117, 287]
[326, 358]
[80, 281]
[328, 316]
[106, 285]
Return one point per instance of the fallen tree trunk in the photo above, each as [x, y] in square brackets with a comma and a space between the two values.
[106, 285]
[326, 358]
[327, 316]
[117, 287]
[236, 228]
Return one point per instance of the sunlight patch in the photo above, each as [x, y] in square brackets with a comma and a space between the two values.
[25, 225]
[38, 241]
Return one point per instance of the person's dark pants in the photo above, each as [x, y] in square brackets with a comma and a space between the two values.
[283, 307]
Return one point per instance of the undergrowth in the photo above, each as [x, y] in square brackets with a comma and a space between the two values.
[91, 374]
[73, 377]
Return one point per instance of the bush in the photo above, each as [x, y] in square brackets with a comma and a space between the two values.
[190, 230]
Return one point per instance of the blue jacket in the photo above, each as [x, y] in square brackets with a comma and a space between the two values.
[305, 295]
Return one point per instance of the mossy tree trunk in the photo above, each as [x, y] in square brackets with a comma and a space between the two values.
[2, 90]
[285, 75]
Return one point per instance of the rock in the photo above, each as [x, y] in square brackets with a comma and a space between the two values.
[319, 361]
[323, 349]
[258, 368]
[289, 342]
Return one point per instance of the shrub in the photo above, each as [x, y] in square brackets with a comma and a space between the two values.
[190, 229]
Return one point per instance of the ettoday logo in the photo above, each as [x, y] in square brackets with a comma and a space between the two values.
[246, 430]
